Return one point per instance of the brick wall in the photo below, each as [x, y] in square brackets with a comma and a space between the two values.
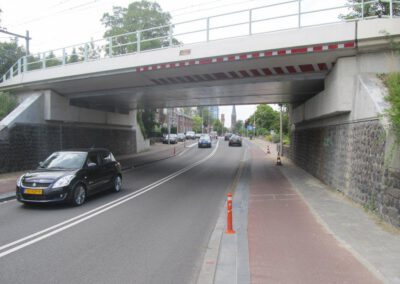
[27, 144]
[351, 159]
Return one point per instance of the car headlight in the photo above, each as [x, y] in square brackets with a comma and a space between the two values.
[64, 181]
[19, 181]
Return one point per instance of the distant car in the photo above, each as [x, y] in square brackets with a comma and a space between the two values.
[190, 135]
[70, 176]
[235, 140]
[227, 136]
[198, 135]
[181, 137]
[204, 141]
[173, 139]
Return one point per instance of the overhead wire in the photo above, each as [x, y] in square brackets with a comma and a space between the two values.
[66, 10]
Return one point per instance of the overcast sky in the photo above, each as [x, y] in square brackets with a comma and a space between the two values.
[57, 23]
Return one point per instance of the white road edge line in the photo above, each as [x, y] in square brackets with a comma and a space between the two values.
[98, 209]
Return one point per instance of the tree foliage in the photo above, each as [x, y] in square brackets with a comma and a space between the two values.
[7, 104]
[146, 121]
[379, 8]
[10, 52]
[196, 126]
[218, 127]
[392, 81]
[140, 15]
[267, 119]
[239, 127]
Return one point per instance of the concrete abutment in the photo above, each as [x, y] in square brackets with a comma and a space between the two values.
[342, 137]
[45, 122]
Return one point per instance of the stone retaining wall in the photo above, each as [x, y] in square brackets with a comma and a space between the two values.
[26, 144]
[351, 159]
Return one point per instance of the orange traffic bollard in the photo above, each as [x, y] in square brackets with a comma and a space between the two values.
[229, 227]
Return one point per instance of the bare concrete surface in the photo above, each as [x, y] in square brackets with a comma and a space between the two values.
[373, 244]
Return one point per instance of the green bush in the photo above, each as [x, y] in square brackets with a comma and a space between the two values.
[7, 104]
[268, 137]
[275, 138]
[286, 140]
[392, 82]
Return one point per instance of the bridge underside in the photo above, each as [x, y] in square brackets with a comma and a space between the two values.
[225, 92]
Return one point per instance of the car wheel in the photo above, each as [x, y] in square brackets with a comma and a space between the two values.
[78, 195]
[117, 184]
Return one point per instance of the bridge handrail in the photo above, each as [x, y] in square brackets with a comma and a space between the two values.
[134, 41]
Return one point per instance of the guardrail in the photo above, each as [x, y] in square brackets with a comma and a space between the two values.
[242, 23]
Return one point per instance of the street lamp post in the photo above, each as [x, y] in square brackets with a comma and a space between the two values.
[168, 124]
[254, 125]
[281, 134]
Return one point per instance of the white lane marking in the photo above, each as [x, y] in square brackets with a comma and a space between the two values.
[183, 152]
[105, 208]
[192, 145]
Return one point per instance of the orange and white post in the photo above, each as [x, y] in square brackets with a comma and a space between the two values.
[229, 226]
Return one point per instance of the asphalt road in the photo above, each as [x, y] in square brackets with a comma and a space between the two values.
[155, 231]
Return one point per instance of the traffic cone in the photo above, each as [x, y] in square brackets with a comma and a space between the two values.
[268, 151]
[278, 161]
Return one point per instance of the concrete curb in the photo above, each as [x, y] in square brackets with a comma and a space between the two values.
[7, 196]
[209, 267]
[227, 255]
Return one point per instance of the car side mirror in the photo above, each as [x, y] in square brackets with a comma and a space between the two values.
[92, 165]
[41, 164]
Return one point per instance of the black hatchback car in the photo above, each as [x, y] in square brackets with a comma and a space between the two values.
[70, 176]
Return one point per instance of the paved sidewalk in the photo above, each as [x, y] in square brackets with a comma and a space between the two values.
[156, 152]
[286, 242]
[355, 236]
[291, 228]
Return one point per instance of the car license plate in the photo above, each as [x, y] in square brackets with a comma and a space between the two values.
[33, 191]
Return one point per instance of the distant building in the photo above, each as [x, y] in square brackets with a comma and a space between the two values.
[223, 119]
[178, 119]
[214, 112]
[233, 118]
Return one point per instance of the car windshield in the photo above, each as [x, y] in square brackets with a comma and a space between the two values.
[205, 138]
[64, 160]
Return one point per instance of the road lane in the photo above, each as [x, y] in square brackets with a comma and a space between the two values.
[159, 237]
[23, 220]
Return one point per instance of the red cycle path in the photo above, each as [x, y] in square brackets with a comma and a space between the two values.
[286, 243]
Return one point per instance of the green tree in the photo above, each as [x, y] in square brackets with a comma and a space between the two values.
[140, 15]
[90, 51]
[218, 127]
[10, 52]
[146, 121]
[239, 127]
[51, 60]
[379, 8]
[34, 62]
[73, 57]
[267, 119]
[7, 104]
[196, 124]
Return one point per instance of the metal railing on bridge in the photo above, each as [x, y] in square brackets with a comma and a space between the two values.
[241, 23]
